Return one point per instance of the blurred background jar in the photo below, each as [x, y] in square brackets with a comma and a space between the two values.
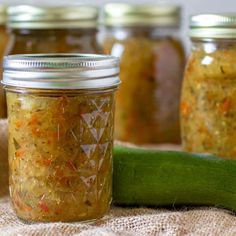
[3, 43]
[52, 29]
[145, 37]
[208, 105]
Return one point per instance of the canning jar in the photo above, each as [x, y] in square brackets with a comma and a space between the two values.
[3, 43]
[208, 106]
[52, 29]
[60, 117]
[145, 37]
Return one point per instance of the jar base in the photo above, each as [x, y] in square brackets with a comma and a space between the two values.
[91, 221]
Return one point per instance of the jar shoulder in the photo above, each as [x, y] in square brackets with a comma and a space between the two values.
[212, 61]
[40, 43]
[142, 44]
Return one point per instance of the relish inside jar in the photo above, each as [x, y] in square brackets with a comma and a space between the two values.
[60, 140]
[145, 38]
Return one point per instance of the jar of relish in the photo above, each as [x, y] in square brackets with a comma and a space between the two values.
[61, 121]
[208, 107]
[146, 39]
[53, 29]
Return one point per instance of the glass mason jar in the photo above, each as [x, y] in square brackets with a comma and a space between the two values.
[208, 107]
[60, 116]
[152, 63]
[3, 43]
[52, 30]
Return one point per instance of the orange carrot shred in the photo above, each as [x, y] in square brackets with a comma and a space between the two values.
[185, 108]
[71, 165]
[19, 124]
[43, 206]
[225, 106]
[47, 162]
[33, 120]
[19, 153]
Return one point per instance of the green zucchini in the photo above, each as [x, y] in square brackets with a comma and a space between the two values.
[170, 178]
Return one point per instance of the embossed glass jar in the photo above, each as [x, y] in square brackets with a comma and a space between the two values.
[61, 112]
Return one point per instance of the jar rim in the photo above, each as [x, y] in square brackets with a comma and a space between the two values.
[61, 71]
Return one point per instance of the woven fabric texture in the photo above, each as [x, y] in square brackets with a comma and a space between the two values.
[120, 221]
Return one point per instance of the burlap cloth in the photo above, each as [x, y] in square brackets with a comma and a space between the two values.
[120, 221]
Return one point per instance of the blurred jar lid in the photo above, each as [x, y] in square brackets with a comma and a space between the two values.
[33, 17]
[123, 14]
[213, 26]
[3, 12]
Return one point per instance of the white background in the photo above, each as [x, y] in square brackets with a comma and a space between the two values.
[189, 6]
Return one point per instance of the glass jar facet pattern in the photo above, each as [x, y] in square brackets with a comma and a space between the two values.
[60, 155]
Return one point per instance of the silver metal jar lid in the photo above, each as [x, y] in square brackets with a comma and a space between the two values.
[61, 71]
[221, 26]
[33, 17]
[124, 14]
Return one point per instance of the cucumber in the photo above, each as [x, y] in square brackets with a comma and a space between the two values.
[170, 178]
